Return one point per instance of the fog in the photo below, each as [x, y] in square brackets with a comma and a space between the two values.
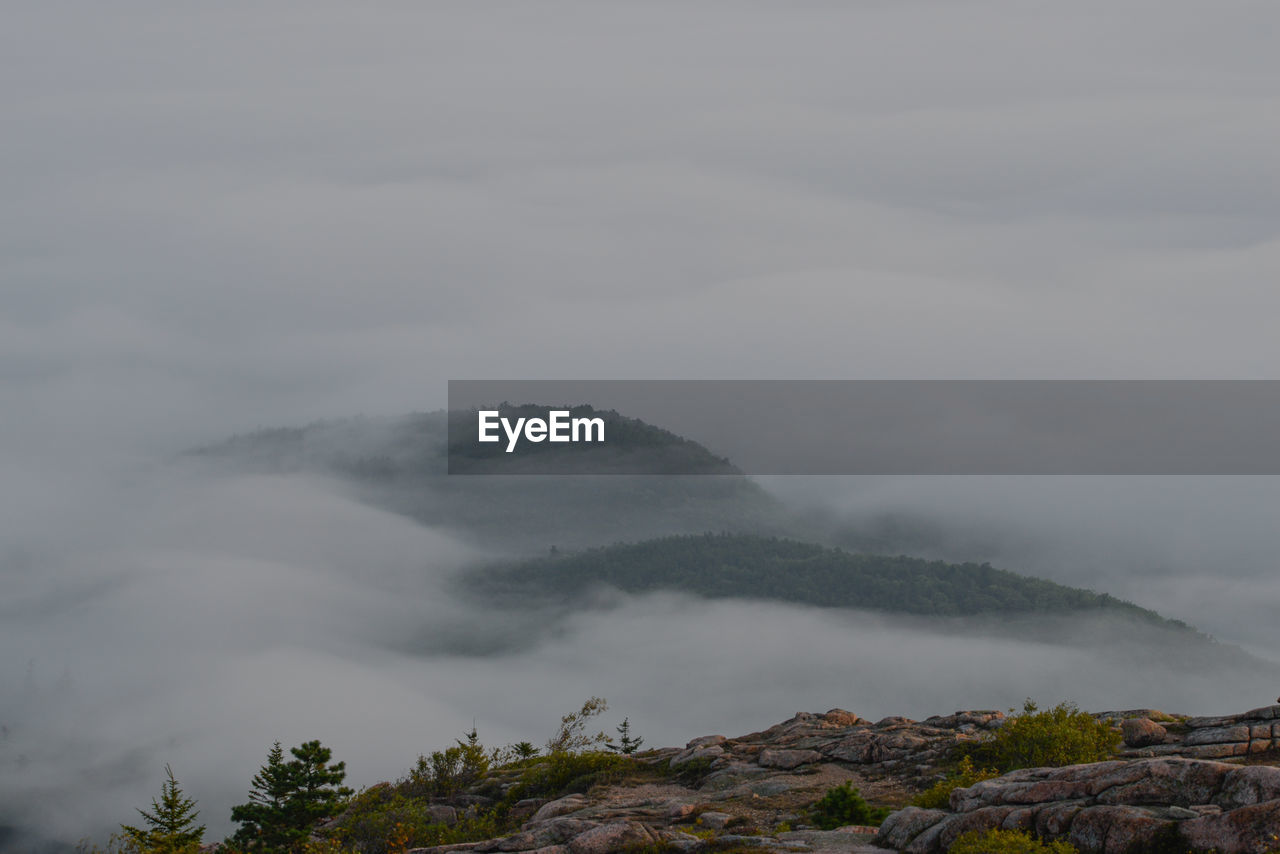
[1200, 549]
[189, 615]
[223, 217]
[200, 617]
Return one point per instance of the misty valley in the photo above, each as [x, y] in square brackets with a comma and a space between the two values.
[891, 464]
[341, 565]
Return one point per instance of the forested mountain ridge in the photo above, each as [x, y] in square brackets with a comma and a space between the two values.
[756, 567]
[767, 550]
[400, 464]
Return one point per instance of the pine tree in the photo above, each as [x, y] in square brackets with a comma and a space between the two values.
[170, 826]
[318, 792]
[625, 743]
[287, 799]
[261, 818]
[524, 750]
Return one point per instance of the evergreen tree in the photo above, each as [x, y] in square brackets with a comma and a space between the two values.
[287, 799]
[524, 750]
[318, 792]
[170, 825]
[262, 819]
[625, 743]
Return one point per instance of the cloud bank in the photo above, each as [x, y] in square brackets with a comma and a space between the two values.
[225, 217]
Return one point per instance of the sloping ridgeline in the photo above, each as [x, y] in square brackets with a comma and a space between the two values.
[744, 566]
[399, 464]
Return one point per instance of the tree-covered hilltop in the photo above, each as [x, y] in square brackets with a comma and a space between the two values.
[755, 567]
[400, 464]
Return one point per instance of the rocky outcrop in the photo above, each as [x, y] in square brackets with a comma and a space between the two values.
[1180, 781]
[1110, 808]
[771, 771]
[1254, 732]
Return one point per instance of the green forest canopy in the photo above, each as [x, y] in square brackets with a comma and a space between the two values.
[755, 567]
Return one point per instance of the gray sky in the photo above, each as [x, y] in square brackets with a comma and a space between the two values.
[223, 216]
[215, 217]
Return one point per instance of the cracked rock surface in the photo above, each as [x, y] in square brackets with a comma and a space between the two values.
[1203, 783]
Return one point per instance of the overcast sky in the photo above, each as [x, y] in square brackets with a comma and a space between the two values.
[215, 217]
[222, 215]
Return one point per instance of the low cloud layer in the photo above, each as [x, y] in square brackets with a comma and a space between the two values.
[195, 617]
[1199, 549]
[202, 620]
[219, 218]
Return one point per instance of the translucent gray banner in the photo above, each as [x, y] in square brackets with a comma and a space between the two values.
[1033, 427]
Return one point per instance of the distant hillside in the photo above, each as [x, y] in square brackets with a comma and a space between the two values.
[400, 464]
[755, 567]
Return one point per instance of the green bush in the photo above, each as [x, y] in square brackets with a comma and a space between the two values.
[383, 820]
[938, 796]
[844, 805]
[1063, 735]
[559, 773]
[1006, 842]
[447, 772]
[378, 815]
[393, 817]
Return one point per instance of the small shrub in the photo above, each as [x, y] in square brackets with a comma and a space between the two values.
[1063, 735]
[560, 773]
[382, 820]
[1006, 842]
[938, 796]
[572, 736]
[447, 772]
[844, 805]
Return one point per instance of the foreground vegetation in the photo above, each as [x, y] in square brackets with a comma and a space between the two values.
[1007, 842]
[1062, 735]
[297, 802]
[844, 805]
[462, 793]
[965, 774]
